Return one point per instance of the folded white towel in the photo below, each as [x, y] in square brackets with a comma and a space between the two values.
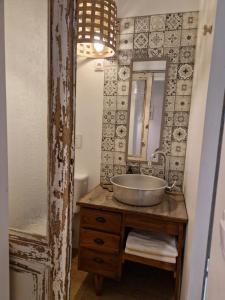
[152, 243]
[167, 259]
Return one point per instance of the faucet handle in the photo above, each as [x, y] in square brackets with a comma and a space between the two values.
[170, 188]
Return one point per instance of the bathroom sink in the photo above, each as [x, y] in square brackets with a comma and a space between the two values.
[138, 190]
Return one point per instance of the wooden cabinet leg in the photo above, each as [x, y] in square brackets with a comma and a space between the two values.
[98, 282]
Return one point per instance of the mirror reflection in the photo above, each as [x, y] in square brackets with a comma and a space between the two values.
[146, 108]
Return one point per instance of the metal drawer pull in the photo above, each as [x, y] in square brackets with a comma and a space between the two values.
[98, 260]
[100, 219]
[99, 241]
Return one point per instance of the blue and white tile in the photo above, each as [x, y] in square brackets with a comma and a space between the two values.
[177, 163]
[141, 40]
[110, 73]
[169, 103]
[187, 54]
[156, 39]
[172, 71]
[110, 88]
[109, 116]
[121, 131]
[107, 157]
[185, 71]
[121, 117]
[181, 119]
[108, 130]
[124, 73]
[108, 144]
[179, 134]
[172, 54]
[119, 170]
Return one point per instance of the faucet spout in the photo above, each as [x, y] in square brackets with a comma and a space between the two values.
[165, 162]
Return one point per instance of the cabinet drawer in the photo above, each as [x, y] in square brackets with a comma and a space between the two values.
[100, 220]
[107, 265]
[148, 223]
[101, 241]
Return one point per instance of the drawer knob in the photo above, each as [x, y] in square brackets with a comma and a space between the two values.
[98, 260]
[100, 219]
[99, 241]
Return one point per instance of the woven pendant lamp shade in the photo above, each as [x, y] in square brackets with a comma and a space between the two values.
[96, 21]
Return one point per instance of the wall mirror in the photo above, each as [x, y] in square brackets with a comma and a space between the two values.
[146, 108]
[26, 43]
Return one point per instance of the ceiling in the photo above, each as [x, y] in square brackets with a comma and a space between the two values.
[131, 8]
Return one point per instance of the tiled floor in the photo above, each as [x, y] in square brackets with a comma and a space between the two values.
[138, 283]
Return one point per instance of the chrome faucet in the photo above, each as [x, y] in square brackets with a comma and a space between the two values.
[165, 162]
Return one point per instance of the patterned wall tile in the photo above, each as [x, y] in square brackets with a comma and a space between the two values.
[123, 88]
[107, 157]
[119, 158]
[141, 24]
[126, 26]
[174, 21]
[168, 118]
[109, 116]
[108, 130]
[188, 37]
[156, 39]
[181, 119]
[120, 145]
[119, 170]
[184, 87]
[110, 73]
[171, 87]
[179, 134]
[126, 41]
[122, 103]
[172, 38]
[169, 103]
[177, 163]
[125, 57]
[158, 23]
[110, 88]
[121, 131]
[109, 103]
[178, 149]
[176, 176]
[141, 40]
[155, 52]
[187, 54]
[121, 117]
[172, 54]
[172, 71]
[183, 103]
[108, 144]
[185, 71]
[190, 20]
[140, 54]
[124, 73]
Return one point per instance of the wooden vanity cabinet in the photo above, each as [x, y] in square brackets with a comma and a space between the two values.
[104, 223]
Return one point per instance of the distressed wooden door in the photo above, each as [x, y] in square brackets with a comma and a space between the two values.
[40, 266]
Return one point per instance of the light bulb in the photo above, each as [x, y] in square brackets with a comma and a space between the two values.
[98, 47]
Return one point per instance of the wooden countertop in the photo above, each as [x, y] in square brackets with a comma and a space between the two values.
[172, 207]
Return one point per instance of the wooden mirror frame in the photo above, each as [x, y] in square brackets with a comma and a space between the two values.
[48, 259]
[129, 103]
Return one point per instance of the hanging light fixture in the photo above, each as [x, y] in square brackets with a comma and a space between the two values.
[96, 21]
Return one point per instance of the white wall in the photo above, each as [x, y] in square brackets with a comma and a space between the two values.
[27, 103]
[216, 286]
[133, 8]
[89, 110]
[205, 117]
[4, 248]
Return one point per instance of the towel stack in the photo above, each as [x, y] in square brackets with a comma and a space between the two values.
[150, 245]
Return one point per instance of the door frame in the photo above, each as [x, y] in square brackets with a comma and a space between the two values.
[54, 252]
